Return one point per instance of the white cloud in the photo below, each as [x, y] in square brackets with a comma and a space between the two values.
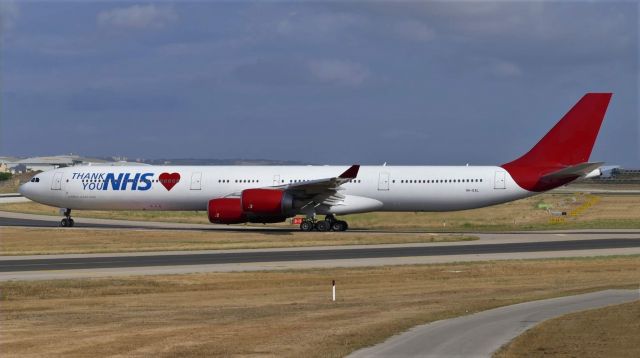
[317, 25]
[138, 16]
[339, 72]
[9, 13]
[414, 30]
[505, 69]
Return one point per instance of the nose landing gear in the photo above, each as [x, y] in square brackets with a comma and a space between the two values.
[67, 221]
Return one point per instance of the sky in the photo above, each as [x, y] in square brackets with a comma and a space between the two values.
[344, 82]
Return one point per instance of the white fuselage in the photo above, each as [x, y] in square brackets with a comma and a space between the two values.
[376, 188]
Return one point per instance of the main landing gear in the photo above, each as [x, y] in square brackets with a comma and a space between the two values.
[67, 221]
[330, 223]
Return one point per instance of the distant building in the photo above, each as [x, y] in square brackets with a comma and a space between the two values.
[114, 164]
[608, 171]
[48, 163]
[18, 169]
[21, 165]
[615, 174]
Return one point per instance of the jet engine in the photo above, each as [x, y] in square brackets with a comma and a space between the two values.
[254, 205]
[225, 211]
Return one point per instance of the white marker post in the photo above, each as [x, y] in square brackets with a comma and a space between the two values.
[333, 288]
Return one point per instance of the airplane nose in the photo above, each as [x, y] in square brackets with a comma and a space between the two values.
[24, 190]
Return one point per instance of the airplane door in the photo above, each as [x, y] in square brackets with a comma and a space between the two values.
[498, 182]
[276, 180]
[56, 184]
[196, 181]
[383, 181]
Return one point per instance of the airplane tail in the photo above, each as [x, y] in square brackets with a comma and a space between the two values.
[562, 155]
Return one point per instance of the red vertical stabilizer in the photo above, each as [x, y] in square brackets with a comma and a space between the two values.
[568, 143]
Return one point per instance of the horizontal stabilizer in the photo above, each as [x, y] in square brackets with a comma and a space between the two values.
[573, 171]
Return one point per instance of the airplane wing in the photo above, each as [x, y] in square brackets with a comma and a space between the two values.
[320, 185]
[318, 191]
[573, 171]
[321, 191]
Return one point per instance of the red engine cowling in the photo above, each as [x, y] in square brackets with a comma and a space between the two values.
[254, 205]
[266, 202]
[226, 211]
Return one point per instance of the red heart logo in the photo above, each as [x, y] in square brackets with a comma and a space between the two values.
[169, 180]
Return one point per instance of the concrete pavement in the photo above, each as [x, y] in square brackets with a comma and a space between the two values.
[481, 334]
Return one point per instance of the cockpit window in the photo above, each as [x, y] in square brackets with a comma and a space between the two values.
[35, 180]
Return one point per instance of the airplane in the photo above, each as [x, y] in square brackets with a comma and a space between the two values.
[270, 194]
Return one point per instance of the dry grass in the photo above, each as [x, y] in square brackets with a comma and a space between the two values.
[276, 314]
[11, 185]
[35, 241]
[605, 332]
[610, 211]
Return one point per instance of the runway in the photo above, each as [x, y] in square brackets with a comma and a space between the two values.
[490, 246]
[481, 334]
[71, 263]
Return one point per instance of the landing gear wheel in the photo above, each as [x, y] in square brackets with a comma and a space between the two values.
[339, 225]
[67, 221]
[323, 225]
[306, 225]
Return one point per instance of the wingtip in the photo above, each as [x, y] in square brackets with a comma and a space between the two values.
[350, 173]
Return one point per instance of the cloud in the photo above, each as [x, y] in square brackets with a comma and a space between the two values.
[312, 24]
[9, 13]
[505, 69]
[297, 72]
[273, 72]
[138, 16]
[339, 72]
[414, 30]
